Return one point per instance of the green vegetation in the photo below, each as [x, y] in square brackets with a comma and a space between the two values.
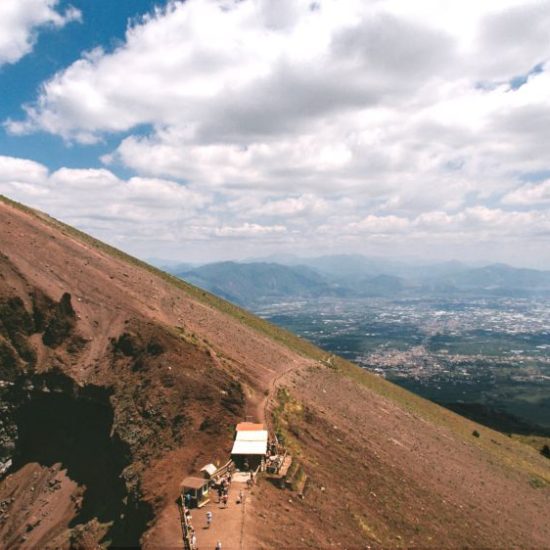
[540, 443]
[366, 528]
[537, 482]
[286, 407]
[284, 421]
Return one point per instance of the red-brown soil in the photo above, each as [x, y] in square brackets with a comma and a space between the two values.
[179, 373]
[382, 475]
[119, 382]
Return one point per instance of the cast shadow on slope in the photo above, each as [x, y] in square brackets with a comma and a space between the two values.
[57, 423]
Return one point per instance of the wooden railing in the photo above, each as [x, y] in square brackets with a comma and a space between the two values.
[220, 472]
[185, 527]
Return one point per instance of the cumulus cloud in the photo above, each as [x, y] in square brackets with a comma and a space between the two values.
[355, 94]
[368, 119]
[20, 21]
[530, 195]
[157, 216]
[97, 201]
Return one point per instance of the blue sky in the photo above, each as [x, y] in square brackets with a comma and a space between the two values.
[103, 24]
[218, 129]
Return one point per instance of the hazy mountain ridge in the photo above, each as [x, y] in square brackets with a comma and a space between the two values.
[358, 276]
[244, 283]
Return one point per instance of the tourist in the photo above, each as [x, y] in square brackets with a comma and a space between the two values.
[225, 500]
[208, 518]
[193, 542]
[218, 545]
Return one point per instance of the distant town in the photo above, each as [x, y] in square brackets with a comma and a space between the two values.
[490, 351]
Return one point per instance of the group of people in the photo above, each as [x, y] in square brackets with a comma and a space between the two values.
[223, 489]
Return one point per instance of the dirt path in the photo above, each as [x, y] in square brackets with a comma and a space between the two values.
[228, 523]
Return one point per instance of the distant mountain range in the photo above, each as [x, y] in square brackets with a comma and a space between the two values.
[356, 276]
[252, 282]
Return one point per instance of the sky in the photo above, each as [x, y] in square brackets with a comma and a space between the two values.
[209, 130]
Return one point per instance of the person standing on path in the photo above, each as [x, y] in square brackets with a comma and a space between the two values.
[218, 545]
[208, 518]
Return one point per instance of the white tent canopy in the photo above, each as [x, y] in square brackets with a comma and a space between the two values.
[250, 442]
[249, 448]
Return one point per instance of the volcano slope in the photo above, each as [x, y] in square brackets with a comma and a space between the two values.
[117, 380]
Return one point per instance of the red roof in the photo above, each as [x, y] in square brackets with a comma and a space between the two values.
[242, 426]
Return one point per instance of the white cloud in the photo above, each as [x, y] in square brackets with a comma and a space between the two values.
[471, 223]
[535, 194]
[380, 225]
[95, 200]
[367, 119]
[20, 21]
[354, 94]
[248, 230]
[291, 206]
[151, 216]
[16, 170]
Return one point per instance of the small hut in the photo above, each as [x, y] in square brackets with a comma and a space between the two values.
[209, 471]
[194, 491]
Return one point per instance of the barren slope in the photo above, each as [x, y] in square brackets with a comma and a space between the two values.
[388, 469]
[167, 376]
[119, 380]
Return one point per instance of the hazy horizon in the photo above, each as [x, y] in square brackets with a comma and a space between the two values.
[281, 260]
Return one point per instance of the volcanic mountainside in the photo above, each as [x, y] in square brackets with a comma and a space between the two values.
[117, 380]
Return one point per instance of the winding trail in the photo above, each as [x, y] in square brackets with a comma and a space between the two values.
[229, 522]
